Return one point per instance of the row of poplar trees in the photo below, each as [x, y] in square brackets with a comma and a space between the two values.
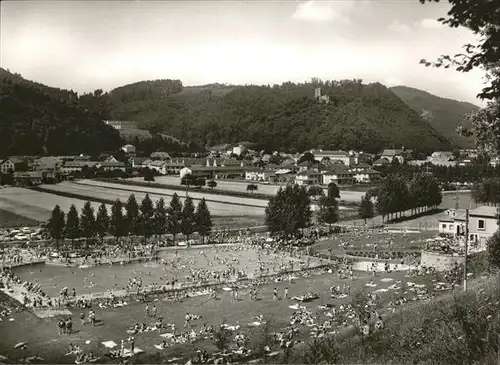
[132, 219]
[396, 194]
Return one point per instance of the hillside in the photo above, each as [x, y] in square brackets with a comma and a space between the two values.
[285, 117]
[445, 115]
[36, 119]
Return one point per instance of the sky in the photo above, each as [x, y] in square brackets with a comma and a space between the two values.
[86, 45]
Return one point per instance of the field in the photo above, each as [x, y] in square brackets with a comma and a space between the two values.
[42, 337]
[241, 186]
[36, 205]
[219, 206]
[9, 220]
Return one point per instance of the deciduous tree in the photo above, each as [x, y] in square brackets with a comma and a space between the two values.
[212, 184]
[494, 250]
[252, 187]
[288, 211]
[333, 191]
[315, 192]
[366, 208]
[328, 210]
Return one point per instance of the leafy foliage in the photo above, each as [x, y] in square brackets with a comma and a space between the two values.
[39, 120]
[494, 250]
[287, 117]
[333, 191]
[366, 208]
[328, 210]
[252, 187]
[487, 191]
[482, 18]
[288, 211]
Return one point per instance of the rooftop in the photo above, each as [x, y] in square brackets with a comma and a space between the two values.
[485, 211]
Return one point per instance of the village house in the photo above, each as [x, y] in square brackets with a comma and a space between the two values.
[400, 154]
[266, 157]
[76, 166]
[495, 161]
[173, 167]
[338, 174]
[111, 165]
[158, 166]
[28, 178]
[308, 177]
[381, 162]
[483, 223]
[12, 164]
[82, 157]
[238, 150]
[310, 165]
[219, 149]
[137, 162]
[365, 175]
[164, 156]
[346, 158]
[257, 174]
[128, 149]
[210, 172]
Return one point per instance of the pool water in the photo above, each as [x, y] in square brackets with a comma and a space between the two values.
[105, 277]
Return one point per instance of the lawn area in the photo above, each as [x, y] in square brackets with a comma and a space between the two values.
[364, 241]
[9, 220]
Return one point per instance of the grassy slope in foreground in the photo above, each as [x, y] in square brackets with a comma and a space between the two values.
[458, 328]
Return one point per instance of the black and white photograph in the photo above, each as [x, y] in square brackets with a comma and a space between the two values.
[250, 182]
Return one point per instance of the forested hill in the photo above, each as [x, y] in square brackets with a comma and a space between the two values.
[445, 115]
[36, 120]
[285, 117]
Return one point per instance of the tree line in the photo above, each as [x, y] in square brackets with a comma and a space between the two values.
[132, 219]
[475, 171]
[289, 211]
[395, 195]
